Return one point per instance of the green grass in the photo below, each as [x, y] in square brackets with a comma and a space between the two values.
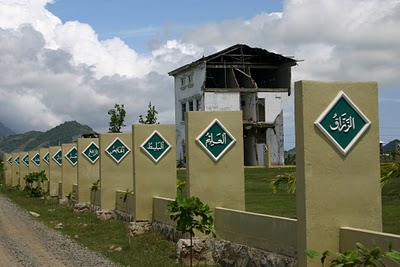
[259, 196]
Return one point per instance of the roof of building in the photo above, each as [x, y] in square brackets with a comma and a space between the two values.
[266, 56]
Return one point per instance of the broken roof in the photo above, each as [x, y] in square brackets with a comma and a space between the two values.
[263, 56]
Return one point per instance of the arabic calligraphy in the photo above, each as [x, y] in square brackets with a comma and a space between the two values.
[220, 139]
[158, 146]
[343, 123]
[93, 153]
[117, 150]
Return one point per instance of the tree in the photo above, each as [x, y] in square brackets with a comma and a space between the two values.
[151, 117]
[117, 114]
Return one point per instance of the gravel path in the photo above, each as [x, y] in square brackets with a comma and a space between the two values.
[25, 242]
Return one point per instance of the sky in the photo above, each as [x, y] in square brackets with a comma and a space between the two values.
[63, 60]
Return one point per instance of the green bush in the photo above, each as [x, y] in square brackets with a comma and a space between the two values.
[39, 178]
[361, 256]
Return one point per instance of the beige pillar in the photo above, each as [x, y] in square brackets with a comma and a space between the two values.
[116, 167]
[68, 168]
[45, 166]
[24, 162]
[154, 160]
[218, 180]
[335, 188]
[56, 160]
[34, 161]
[15, 169]
[88, 167]
[7, 167]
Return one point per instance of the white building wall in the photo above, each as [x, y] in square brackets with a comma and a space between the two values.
[274, 103]
[188, 92]
[221, 101]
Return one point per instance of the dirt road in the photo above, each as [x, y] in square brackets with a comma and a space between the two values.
[25, 242]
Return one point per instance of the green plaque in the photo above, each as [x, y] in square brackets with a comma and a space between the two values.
[36, 159]
[25, 160]
[16, 160]
[215, 140]
[72, 156]
[343, 123]
[58, 157]
[156, 146]
[46, 158]
[9, 160]
[92, 152]
[117, 150]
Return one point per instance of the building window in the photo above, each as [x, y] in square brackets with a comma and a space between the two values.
[183, 82]
[190, 79]
[183, 111]
[190, 105]
[261, 109]
[198, 104]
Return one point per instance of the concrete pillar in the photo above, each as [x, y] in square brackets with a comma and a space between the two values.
[15, 169]
[116, 167]
[7, 166]
[214, 147]
[88, 167]
[23, 168]
[69, 169]
[45, 166]
[55, 170]
[154, 161]
[338, 182]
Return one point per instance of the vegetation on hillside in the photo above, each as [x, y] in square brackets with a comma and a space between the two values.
[32, 140]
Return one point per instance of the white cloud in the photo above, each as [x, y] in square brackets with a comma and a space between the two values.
[55, 67]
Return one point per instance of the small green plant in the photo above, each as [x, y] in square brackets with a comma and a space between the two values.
[288, 179]
[180, 185]
[126, 194]
[70, 195]
[181, 163]
[95, 185]
[361, 256]
[393, 172]
[191, 214]
[35, 177]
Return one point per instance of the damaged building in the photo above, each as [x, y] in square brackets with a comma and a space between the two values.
[252, 80]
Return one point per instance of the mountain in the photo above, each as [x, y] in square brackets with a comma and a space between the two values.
[291, 151]
[5, 131]
[61, 134]
[391, 146]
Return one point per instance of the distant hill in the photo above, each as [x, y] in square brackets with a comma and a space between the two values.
[391, 146]
[61, 134]
[5, 131]
[291, 151]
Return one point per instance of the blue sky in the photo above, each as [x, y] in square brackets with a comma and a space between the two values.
[74, 59]
[138, 22]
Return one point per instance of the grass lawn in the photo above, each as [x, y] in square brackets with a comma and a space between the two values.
[261, 199]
